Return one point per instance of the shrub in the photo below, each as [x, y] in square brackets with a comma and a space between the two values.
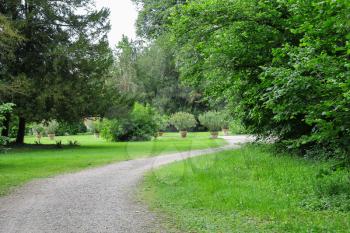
[183, 121]
[95, 126]
[140, 125]
[226, 120]
[111, 130]
[52, 127]
[38, 128]
[212, 120]
[71, 128]
[4, 109]
[236, 127]
[163, 122]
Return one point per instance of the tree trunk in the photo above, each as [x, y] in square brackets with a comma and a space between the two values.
[6, 130]
[21, 131]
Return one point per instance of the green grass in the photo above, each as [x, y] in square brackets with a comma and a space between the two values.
[245, 190]
[20, 165]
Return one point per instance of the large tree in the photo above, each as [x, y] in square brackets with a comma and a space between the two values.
[62, 60]
[154, 16]
[282, 66]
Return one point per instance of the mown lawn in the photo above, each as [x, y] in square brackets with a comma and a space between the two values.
[245, 190]
[22, 164]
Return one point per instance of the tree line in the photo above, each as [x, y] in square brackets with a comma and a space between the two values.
[56, 63]
[281, 67]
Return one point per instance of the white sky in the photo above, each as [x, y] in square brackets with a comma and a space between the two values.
[123, 17]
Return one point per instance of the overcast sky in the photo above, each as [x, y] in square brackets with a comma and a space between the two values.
[123, 17]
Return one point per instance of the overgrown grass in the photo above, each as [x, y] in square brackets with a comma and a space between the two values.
[22, 164]
[245, 190]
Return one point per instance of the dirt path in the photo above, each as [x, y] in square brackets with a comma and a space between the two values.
[97, 200]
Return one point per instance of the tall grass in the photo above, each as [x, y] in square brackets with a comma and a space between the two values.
[245, 190]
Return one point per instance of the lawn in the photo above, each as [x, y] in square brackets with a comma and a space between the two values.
[22, 164]
[245, 190]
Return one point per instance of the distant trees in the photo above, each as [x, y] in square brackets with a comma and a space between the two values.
[148, 74]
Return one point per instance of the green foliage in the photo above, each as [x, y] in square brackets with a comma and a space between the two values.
[212, 120]
[153, 16]
[236, 127]
[38, 128]
[183, 121]
[282, 67]
[162, 122]
[62, 64]
[51, 127]
[331, 191]
[96, 126]
[4, 109]
[111, 130]
[140, 125]
[70, 128]
[248, 190]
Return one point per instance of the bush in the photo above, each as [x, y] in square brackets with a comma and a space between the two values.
[140, 125]
[4, 109]
[163, 122]
[71, 128]
[51, 127]
[226, 119]
[111, 130]
[183, 121]
[236, 127]
[94, 125]
[38, 128]
[212, 120]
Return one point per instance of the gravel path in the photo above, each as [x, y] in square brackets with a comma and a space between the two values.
[97, 200]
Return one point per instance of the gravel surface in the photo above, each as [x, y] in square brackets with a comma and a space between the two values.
[98, 200]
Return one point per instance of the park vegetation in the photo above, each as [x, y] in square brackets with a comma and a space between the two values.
[281, 68]
[277, 69]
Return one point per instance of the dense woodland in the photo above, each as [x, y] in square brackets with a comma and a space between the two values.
[280, 68]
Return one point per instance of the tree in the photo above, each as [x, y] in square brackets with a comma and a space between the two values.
[308, 83]
[281, 66]
[62, 61]
[153, 16]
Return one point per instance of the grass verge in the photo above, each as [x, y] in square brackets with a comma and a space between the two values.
[22, 164]
[245, 190]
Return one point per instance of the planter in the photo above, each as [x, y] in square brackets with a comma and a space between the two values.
[38, 136]
[214, 135]
[183, 134]
[225, 131]
[51, 136]
[97, 135]
[160, 134]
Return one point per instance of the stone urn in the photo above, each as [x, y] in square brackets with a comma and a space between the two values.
[51, 136]
[214, 135]
[183, 133]
[38, 136]
[225, 131]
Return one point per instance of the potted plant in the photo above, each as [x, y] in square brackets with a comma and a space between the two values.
[96, 127]
[213, 121]
[183, 121]
[163, 123]
[51, 128]
[225, 122]
[38, 130]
